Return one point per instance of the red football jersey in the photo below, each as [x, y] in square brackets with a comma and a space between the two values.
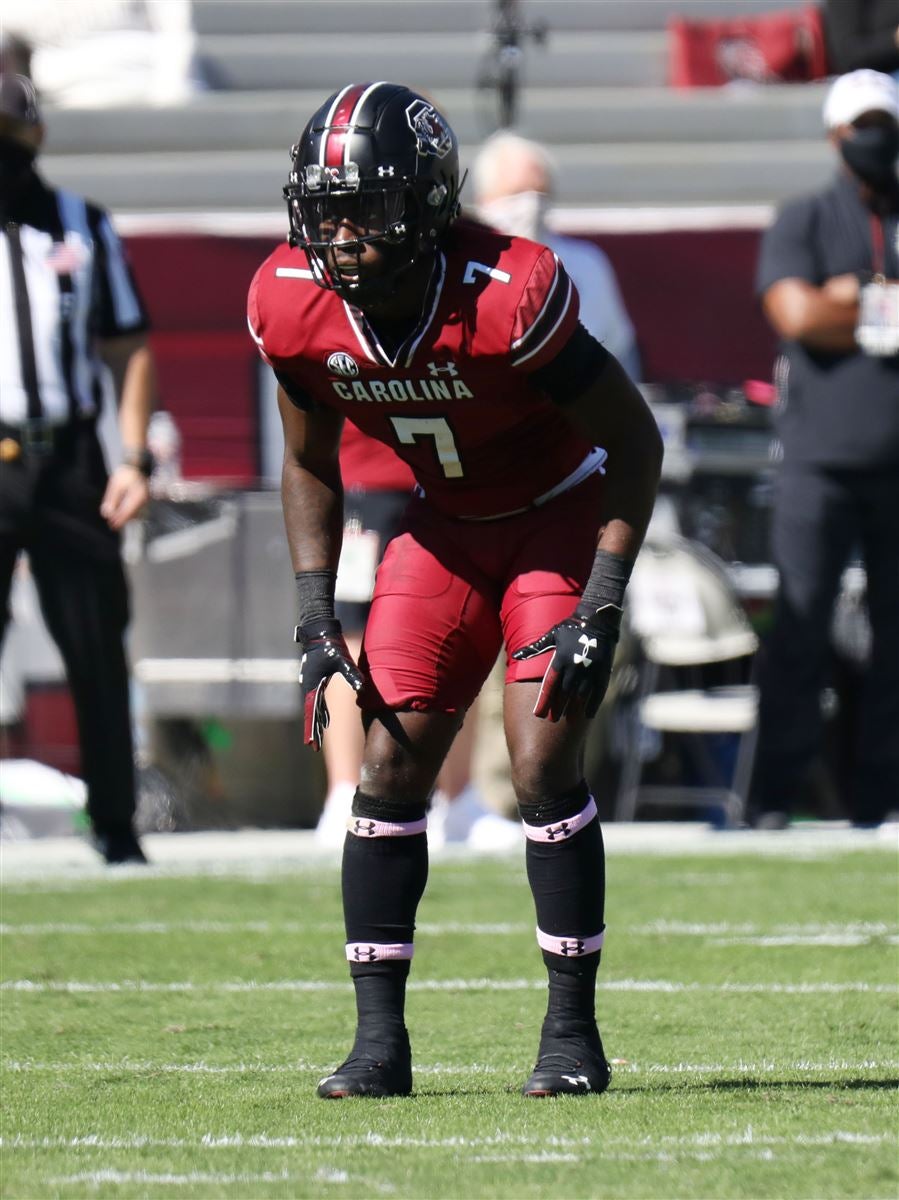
[456, 401]
[370, 466]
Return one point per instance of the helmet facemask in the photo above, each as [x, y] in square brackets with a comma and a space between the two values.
[333, 210]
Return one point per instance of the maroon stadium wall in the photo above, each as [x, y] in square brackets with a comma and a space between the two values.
[689, 294]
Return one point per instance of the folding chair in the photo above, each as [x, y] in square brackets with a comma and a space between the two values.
[688, 624]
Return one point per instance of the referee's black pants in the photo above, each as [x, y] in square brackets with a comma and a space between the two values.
[49, 506]
[820, 518]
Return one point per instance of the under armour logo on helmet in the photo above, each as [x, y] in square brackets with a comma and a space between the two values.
[365, 953]
[589, 644]
[571, 947]
[385, 171]
[563, 830]
[364, 828]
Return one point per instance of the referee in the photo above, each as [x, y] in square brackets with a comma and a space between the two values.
[68, 305]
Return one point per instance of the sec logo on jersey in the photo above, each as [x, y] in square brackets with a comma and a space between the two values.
[343, 364]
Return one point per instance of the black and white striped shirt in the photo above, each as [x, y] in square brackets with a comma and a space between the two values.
[64, 283]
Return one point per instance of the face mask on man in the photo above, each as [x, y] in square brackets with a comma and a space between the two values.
[521, 215]
[871, 154]
[15, 165]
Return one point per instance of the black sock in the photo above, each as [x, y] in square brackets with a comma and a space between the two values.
[380, 1002]
[567, 878]
[383, 881]
[571, 1007]
[568, 882]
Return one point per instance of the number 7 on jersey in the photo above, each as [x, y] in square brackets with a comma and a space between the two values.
[410, 428]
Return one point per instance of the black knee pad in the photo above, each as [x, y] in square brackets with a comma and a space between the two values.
[553, 809]
[376, 808]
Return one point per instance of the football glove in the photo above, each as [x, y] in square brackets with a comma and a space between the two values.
[325, 654]
[579, 670]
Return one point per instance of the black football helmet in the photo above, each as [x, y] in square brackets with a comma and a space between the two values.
[381, 160]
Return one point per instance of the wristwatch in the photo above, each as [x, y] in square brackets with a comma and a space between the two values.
[142, 460]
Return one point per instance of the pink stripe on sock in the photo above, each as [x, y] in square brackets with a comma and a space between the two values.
[375, 952]
[570, 947]
[560, 831]
[365, 828]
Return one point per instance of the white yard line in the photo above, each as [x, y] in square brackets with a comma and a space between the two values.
[161, 1178]
[241, 1141]
[750, 929]
[439, 929]
[38, 987]
[834, 940]
[853, 933]
[255, 854]
[764, 1067]
[543, 1146]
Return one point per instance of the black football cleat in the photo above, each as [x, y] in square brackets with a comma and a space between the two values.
[573, 1066]
[371, 1070]
[118, 847]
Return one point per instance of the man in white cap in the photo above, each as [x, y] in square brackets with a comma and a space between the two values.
[827, 278]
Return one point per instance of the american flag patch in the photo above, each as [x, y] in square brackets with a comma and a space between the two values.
[65, 258]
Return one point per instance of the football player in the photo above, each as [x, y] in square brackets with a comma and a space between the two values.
[537, 463]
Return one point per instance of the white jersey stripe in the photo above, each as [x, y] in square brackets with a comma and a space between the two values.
[360, 336]
[565, 307]
[438, 290]
[536, 321]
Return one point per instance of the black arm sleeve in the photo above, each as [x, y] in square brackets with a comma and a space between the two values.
[573, 369]
[295, 394]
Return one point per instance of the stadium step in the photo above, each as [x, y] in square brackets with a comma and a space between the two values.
[243, 17]
[272, 120]
[325, 60]
[654, 173]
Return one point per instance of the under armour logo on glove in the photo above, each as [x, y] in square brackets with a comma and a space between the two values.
[589, 644]
[325, 654]
[578, 673]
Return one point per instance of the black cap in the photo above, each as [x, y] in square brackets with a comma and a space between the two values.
[20, 117]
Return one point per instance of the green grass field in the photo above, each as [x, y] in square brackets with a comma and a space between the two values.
[162, 1035]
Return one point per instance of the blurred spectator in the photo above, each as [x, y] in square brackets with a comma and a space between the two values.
[15, 55]
[513, 180]
[92, 53]
[862, 33]
[829, 281]
[377, 485]
[69, 304]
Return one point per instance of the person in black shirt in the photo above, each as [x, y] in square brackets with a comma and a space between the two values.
[69, 304]
[862, 33]
[827, 276]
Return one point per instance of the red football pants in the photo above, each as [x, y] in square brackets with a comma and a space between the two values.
[450, 593]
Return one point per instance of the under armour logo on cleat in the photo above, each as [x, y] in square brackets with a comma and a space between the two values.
[578, 1081]
[589, 644]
